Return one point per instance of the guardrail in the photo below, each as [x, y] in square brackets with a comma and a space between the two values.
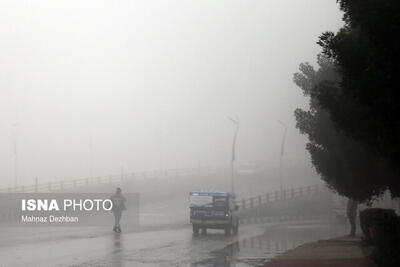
[253, 202]
[111, 179]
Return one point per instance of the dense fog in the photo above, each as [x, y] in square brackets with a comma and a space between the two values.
[92, 87]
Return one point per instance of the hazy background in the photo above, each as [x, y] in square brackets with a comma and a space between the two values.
[149, 84]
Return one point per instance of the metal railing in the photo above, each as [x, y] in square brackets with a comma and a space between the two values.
[253, 202]
[112, 179]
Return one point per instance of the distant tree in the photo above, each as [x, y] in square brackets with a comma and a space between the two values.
[343, 163]
[366, 52]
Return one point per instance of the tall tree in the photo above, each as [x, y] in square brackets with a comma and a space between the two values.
[367, 53]
[345, 164]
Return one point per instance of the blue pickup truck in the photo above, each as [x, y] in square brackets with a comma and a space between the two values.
[214, 210]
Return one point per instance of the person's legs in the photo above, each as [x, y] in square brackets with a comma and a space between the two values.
[117, 216]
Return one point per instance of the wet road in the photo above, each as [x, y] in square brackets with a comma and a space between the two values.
[161, 246]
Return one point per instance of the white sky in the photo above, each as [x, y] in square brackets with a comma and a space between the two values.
[152, 82]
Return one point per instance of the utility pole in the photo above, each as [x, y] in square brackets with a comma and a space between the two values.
[236, 122]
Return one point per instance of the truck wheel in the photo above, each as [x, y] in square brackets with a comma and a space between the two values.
[196, 229]
[228, 229]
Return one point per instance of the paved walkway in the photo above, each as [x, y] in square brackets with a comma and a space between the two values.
[342, 251]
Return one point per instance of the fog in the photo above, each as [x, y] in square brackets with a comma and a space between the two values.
[90, 87]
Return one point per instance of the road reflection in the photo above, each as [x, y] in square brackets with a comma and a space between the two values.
[117, 250]
[257, 250]
[224, 257]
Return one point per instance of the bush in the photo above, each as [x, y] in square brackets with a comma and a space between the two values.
[387, 242]
[382, 228]
[370, 217]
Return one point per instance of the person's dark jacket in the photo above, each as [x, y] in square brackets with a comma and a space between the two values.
[118, 201]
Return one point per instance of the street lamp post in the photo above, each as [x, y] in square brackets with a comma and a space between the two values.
[281, 154]
[15, 145]
[236, 122]
[90, 152]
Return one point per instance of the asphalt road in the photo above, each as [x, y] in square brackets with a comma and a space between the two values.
[173, 245]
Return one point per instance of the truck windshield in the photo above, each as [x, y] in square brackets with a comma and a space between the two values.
[220, 202]
[201, 201]
[208, 201]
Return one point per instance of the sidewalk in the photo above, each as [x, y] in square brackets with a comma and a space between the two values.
[341, 251]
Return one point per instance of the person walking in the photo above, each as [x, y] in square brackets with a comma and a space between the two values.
[351, 215]
[118, 201]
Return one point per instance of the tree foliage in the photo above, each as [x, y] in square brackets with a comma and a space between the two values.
[366, 52]
[345, 164]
